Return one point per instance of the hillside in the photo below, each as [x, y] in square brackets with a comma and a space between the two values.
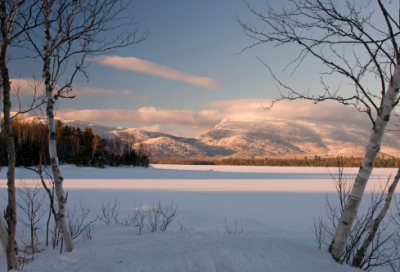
[284, 138]
[255, 137]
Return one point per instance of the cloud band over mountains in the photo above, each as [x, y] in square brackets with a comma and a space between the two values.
[207, 119]
[151, 68]
[166, 120]
[202, 119]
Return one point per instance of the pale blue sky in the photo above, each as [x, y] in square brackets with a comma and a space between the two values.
[200, 38]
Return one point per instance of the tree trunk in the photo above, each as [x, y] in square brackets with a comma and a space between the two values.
[339, 241]
[357, 261]
[3, 236]
[1, 98]
[51, 201]
[58, 179]
[10, 215]
[7, 21]
[47, 228]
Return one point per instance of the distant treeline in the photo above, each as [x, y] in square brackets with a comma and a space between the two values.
[74, 146]
[186, 161]
[316, 161]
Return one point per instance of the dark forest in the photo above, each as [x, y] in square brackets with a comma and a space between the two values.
[74, 146]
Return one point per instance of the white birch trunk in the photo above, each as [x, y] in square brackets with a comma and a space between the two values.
[1, 97]
[1, 101]
[4, 239]
[9, 26]
[12, 14]
[7, 21]
[339, 241]
[58, 179]
[357, 261]
[3, 236]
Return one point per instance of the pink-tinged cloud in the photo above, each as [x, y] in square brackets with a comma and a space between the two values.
[151, 68]
[201, 120]
[169, 120]
[27, 87]
[90, 91]
[171, 129]
[292, 110]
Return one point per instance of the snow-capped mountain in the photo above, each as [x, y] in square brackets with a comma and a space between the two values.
[287, 138]
[258, 137]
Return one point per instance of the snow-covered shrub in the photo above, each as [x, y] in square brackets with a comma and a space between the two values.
[156, 216]
[236, 231]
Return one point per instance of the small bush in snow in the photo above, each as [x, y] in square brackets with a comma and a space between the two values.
[77, 224]
[109, 212]
[156, 217]
[236, 230]
[159, 217]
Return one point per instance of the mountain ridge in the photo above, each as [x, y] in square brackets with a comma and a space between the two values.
[257, 137]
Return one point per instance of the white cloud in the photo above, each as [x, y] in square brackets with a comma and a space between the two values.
[151, 68]
[169, 120]
[27, 87]
[201, 120]
[171, 129]
[292, 110]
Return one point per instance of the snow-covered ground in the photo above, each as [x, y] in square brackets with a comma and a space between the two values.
[275, 205]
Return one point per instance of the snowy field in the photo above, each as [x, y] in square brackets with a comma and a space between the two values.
[275, 205]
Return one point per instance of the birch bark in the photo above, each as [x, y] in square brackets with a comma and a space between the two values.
[1, 98]
[7, 21]
[11, 215]
[339, 241]
[3, 236]
[58, 179]
[358, 258]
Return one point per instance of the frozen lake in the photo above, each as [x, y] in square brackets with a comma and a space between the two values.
[275, 206]
[282, 198]
[203, 178]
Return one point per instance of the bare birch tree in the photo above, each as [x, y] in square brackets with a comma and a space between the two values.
[327, 30]
[372, 242]
[75, 30]
[358, 258]
[11, 14]
[7, 22]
